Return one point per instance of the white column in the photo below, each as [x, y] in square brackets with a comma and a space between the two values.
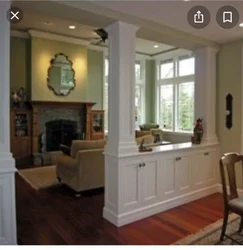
[7, 163]
[205, 91]
[121, 117]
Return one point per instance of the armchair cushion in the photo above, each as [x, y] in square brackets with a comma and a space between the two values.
[78, 145]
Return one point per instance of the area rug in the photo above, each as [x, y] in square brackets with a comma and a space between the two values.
[41, 177]
[210, 234]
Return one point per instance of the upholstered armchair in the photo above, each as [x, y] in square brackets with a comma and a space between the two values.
[83, 168]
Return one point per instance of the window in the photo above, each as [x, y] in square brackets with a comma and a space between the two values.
[139, 92]
[175, 98]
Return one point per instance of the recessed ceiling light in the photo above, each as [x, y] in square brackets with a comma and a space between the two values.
[241, 25]
[156, 46]
[186, 0]
[72, 27]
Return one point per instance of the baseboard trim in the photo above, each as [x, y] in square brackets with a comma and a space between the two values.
[138, 214]
[220, 190]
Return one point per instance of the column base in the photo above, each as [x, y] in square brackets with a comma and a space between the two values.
[8, 234]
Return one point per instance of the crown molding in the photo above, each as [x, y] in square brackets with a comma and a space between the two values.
[59, 38]
[20, 34]
[71, 40]
[171, 54]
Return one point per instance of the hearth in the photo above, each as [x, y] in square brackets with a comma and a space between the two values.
[60, 132]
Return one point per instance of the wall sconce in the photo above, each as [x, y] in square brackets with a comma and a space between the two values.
[229, 111]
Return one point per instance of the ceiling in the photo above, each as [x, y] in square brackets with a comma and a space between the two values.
[174, 14]
[40, 22]
[162, 21]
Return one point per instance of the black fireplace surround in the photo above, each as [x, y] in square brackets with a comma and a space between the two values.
[60, 132]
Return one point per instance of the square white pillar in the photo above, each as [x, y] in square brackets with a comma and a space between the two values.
[121, 117]
[7, 163]
[205, 91]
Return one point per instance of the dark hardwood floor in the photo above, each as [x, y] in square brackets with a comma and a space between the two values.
[55, 217]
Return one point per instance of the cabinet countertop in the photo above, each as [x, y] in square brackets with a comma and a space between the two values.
[171, 147]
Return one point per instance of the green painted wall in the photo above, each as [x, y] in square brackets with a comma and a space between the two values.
[19, 64]
[38, 52]
[229, 80]
[150, 91]
[95, 77]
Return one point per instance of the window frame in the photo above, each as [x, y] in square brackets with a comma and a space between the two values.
[176, 81]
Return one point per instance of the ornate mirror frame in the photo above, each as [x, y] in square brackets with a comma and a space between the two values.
[52, 62]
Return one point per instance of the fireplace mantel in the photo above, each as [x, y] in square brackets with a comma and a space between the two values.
[68, 105]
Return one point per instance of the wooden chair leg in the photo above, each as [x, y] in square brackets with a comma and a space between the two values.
[225, 221]
[241, 224]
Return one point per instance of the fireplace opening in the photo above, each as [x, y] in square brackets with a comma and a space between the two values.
[60, 132]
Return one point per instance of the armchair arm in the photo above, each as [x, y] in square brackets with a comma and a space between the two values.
[66, 161]
[90, 168]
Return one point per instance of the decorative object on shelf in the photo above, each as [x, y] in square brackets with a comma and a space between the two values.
[143, 148]
[61, 75]
[229, 111]
[18, 98]
[197, 132]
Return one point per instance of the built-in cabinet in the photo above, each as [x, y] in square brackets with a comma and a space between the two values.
[97, 124]
[155, 182]
[20, 131]
[140, 182]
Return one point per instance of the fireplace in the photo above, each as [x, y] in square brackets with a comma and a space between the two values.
[60, 132]
[55, 123]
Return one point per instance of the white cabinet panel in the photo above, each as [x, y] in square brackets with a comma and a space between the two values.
[168, 180]
[209, 169]
[150, 181]
[183, 174]
[204, 169]
[131, 185]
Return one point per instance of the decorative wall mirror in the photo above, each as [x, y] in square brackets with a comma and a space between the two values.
[61, 75]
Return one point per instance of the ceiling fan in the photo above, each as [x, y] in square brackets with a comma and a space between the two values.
[103, 36]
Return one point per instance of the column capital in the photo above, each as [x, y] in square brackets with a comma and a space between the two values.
[118, 26]
[207, 49]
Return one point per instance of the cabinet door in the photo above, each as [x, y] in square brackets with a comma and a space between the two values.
[204, 169]
[209, 168]
[183, 174]
[130, 185]
[150, 181]
[168, 178]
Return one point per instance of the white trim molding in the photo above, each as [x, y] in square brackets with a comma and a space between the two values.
[59, 38]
